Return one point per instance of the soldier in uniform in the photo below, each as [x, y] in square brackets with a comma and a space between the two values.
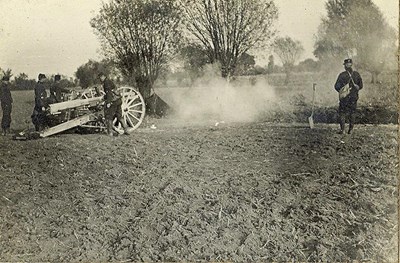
[113, 105]
[348, 104]
[39, 116]
[57, 91]
[6, 104]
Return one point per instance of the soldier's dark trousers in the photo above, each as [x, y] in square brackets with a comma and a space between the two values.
[6, 119]
[39, 118]
[347, 107]
[114, 111]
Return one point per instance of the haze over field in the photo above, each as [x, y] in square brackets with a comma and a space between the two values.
[55, 36]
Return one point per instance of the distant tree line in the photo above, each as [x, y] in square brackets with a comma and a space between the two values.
[23, 82]
[142, 38]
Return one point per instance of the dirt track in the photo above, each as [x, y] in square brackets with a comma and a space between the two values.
[240, 192]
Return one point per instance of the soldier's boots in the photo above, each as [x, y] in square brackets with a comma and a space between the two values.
[109, 127]
[126, 131]
[6, 131]
[125, 127]
[351, 125]
[342, 122]
[350, 129]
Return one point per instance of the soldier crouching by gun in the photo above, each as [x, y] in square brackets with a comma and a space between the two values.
[39, 114]
[113, 105]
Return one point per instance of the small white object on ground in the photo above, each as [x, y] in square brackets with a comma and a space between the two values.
[153, 127]
[220, 122]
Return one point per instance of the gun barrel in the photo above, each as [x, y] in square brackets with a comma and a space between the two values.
[56, 107]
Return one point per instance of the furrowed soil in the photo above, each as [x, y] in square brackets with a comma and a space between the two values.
[200, 192]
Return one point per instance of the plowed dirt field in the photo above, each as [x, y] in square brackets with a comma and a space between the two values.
[200, 192]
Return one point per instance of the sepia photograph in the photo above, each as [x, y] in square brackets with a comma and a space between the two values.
[199, 131]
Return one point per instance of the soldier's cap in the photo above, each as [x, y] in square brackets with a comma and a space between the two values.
[57, 77]
[347, 60]
[41, 76]
[5, 78]
[101, 74]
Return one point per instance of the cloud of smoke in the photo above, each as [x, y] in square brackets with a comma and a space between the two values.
[213, 98]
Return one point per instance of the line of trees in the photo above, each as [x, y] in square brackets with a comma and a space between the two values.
[141, 35]
[23, 82]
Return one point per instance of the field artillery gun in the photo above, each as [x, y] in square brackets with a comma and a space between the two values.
[86, 110]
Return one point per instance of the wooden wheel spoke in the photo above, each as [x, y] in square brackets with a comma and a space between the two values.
[129, 121]
[131, 99]
[131, 114]
[135, 105]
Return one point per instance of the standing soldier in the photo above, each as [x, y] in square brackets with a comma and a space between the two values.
[113, 105]
[56, 90]
[39, 116]
[348, 100]
[6, 104]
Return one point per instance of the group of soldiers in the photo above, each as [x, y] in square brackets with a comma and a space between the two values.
[112, 106]
[113, 100]
[42, 101]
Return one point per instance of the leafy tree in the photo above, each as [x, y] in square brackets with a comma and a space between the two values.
[87, 74]
[22, 82]
[229, 28]
[7, 72]
[288, 51]
[245, 65]
[308, 65]
[356, 28]
[22, 76]
[195, 58]
[65, 81]
[139, 35]
[257, 70]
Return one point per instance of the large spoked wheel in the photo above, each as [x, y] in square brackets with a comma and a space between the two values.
[133, 109]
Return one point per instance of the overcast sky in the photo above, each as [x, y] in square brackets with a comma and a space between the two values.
[54, 36]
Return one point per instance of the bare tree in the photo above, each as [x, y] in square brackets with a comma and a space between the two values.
[139, 35]
[229, 28]
[288, 51]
